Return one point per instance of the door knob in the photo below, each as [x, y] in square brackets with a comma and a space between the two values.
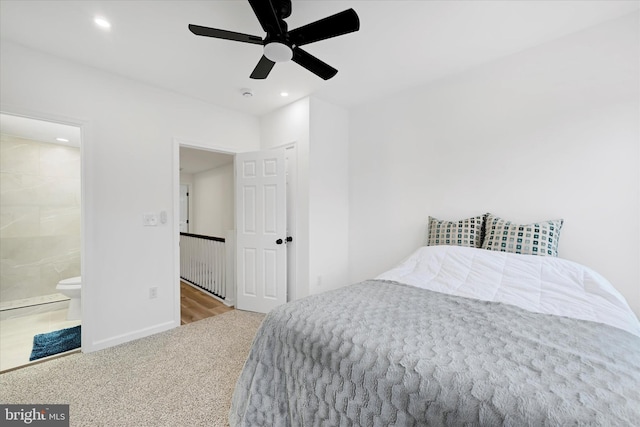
[279, 242]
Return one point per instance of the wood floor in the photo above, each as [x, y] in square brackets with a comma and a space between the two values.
[196, 305]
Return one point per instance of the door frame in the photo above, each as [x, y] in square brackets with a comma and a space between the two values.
[291, 156]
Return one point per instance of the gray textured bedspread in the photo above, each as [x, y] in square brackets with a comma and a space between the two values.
[385, 354]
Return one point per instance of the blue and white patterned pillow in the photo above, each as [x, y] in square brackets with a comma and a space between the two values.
[466, 232]
[539, 238]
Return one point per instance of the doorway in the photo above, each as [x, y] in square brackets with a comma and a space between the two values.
[291, 185]
[41, 241]
[206, 212]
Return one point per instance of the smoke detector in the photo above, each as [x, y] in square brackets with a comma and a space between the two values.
[246, 92]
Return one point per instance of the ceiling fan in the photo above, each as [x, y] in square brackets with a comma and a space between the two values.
[282, 45]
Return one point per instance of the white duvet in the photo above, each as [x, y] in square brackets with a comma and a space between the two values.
[535, 283]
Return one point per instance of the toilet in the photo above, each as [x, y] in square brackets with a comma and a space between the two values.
[71, 288]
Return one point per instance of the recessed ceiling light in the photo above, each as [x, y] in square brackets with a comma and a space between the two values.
[102, 23]
[284, 94]
[62, 139]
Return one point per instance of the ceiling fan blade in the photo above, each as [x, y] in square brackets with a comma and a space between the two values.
[313, 64]
[335, 25]
[263, 68]
[266, 16]
[224, 34]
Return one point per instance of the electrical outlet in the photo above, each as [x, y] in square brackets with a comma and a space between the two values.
[153, 292]
[150, 220]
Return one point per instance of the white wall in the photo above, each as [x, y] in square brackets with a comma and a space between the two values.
[128, 165]
[328, 197]
[552, 132]
[213, 198]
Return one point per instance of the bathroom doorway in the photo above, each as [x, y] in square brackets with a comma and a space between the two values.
[40, 237]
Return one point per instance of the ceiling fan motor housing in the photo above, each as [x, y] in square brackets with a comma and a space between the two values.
[282, 8]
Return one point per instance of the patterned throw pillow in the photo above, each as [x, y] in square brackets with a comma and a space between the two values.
[540, 238]
[466, 232]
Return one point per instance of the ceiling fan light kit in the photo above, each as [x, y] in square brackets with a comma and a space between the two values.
[281, 45]
[278, 52]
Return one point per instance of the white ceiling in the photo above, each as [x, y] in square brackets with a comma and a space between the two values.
[400, 43]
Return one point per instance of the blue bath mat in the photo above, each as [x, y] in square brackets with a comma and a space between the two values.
[55, 342]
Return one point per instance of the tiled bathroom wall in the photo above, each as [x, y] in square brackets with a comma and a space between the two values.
[39, 217]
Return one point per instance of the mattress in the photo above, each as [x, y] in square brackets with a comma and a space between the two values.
[540, 284]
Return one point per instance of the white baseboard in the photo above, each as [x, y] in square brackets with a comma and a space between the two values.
[131, 336]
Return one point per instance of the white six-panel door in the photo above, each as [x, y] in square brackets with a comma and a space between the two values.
[261, 254]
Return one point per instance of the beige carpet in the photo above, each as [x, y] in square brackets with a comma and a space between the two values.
[182, 377]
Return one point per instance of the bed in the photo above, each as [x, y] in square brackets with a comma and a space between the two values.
[452, 336]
